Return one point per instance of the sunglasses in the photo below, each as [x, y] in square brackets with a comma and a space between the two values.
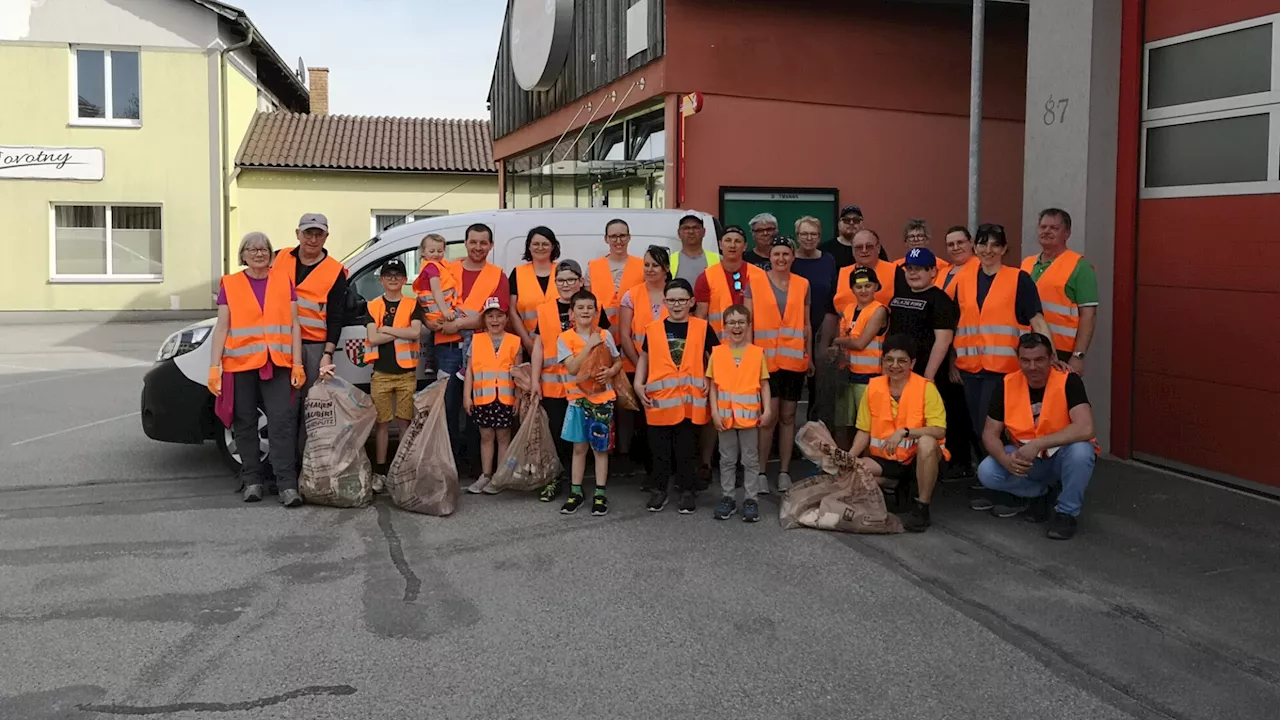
[737, 281]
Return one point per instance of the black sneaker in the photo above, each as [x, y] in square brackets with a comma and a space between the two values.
[1062, 527]
[687, 505]
[981, 503]
[254, 493]
[550, 491]
[750, 511]
[725, 508]
[571, 505]
[917, 519]
[1038, 510]
[1011, 508]
[657, 501]
[599, 505]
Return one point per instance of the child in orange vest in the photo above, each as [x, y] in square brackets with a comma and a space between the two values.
[437, 288]
[589, 418]
[489, 394]
[862, 328]
[738, 371]
[393, 329]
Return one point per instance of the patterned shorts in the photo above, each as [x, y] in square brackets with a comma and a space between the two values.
[393, 395]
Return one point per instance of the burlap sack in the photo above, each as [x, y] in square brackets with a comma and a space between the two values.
[335, 467]
[531, 460]
[846, 499]
[423, 476]
[799, 507]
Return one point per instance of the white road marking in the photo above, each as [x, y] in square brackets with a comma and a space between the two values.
[78, 427]
[67, 375]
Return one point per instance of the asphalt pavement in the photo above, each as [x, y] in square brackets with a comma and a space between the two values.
[135, 583]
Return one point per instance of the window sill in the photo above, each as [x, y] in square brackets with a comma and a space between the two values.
[105, 279]
[104, 123]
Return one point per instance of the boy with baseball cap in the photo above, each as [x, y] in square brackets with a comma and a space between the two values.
[393, 325]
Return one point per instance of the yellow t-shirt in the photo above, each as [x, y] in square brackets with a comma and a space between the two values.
[935, 415]
[737, 360]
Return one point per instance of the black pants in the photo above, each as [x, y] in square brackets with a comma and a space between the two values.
[276, 398]
[556, 408]
[979, 388]
[960, 435]
[674, 449]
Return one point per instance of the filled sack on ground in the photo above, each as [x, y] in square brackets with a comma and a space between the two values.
[335, 467]
[600, 359]
[845, 498]
[423, 477]
[531, 460]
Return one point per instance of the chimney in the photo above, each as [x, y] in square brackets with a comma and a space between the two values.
[319, 90]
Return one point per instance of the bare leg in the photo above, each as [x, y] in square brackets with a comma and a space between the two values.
[579, 464]
[380, 440]
[504, 441]
[928, 457]
[602, 467]
[787, 426]
[486, 451]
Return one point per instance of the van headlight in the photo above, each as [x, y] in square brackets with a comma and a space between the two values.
[183, 342]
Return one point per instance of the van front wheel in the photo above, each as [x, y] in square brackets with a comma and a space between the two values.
[227, 443]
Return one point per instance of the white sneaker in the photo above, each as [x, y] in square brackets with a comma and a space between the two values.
[379, 482]
[784, 481]
[479, 485]
[764, 484]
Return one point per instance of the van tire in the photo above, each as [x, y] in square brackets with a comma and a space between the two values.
[226, 444]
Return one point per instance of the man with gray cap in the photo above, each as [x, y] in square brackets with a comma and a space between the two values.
[321, 284]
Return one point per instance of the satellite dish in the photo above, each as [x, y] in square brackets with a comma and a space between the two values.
[301, 71]
[540, 35]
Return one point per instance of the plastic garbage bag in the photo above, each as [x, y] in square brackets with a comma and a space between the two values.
[599, 359]
[531, 460]
[844, 498]
[335, 467]
[423, 477]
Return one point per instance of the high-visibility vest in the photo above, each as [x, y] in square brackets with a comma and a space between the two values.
[531, 295]
[910, 414]
[712, 259]
[575, 343]
[1021, 423]
[1062, 315]
[987, 339]
[449, 285]
[313, 292]
[482, 289]
[678, 393]
[258, 333]
[641, 318]
[867, 360]
[780, 331]
[949, 282]
[722, 298]
[737, 385]
[491, 369]
[555, 376]
[607, 294]
[406, 350]
[939, 281]
[886, 273]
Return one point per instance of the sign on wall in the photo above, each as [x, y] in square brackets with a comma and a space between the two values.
[51, 163]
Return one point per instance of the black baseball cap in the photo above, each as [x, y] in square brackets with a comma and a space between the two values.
[393, 267]
[863, 275]
[850, 210]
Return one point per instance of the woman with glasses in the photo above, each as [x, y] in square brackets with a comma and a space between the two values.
[960, 250]
[640, 307]
[820, 269]
[915, 234]
[531, 283]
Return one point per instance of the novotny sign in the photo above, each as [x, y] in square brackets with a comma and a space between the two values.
[540, 34]
[23, 162]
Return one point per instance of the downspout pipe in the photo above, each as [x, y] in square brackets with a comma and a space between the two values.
[975, 112]
[226, 161]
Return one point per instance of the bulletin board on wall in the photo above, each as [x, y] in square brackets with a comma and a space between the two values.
[739, 204]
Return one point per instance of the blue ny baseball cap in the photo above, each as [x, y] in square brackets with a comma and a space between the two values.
[920, 257]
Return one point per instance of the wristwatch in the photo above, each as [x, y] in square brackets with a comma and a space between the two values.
[1078, 354]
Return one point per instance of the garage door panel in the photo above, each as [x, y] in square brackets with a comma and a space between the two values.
[1231, 430]
[1215, 242]
[1209, 335]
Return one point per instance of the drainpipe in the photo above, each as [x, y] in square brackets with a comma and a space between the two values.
[975, 112]
[226, 171]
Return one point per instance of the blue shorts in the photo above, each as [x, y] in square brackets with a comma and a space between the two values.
[586, 422]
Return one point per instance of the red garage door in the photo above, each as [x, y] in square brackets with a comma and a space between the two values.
[1206, 384]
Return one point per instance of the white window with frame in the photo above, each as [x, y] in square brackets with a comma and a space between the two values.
[107, 243]
[106, 86]
[1211, 112]
[384, 219]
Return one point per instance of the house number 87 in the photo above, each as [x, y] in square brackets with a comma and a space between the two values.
[1055, 111]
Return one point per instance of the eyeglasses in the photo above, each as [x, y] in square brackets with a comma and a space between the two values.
[851, 220]
[735, 323]
[864, 248]
[617, 238]
[808, 234]
[678, 301]
[567, 281]
[763, 230]
[258, 250]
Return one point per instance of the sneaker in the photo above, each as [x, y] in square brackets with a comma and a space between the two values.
[917, 519]
[657, 501]
[1009, 509]
[981, 503]
[1062, 527]
[491, 489]
[687, 504]
[379, 482]
[599, 505]
[784, 481]
[750, 511]
[764, 484]
[290, 498]
[550, 491]
[725, 508]
[479, 485]
[253, 493]
[1039, 509]
[571, 505]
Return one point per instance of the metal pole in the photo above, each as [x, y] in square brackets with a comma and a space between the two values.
[975, 111]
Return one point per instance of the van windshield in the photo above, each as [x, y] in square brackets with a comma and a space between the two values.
[363, 246]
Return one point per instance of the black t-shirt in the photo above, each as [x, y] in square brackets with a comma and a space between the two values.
[545, 282]
[335, 303]
[760, 261]
[1076, 395]
[1026, 301]
[917, 315]
[838, 250]
[678, 333]
[386, 362]
[566, 322]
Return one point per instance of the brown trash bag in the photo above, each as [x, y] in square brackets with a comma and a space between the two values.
[423, 477]
[335, 467]
[846, 499]
[599, 359]
[531, 460]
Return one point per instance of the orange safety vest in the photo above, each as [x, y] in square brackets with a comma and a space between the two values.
[737, 386]
[641, 318]
[257, 333]
[780, 331]
[482, 289]
[313, 292]
[1062, 315]
[607, 294]
[678, 393]
[987, 339]
[1021, 424]
[531, 295]
[971, 266]
[867, 360]
[722, 298]
[575, 343]
[406, 350]
[491, 369]
[886, 273]
[555, 376]
[885, 421]
[448, 288]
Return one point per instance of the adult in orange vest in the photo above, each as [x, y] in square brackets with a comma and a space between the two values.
[866, 253]
[531, 283]
[609, 278]
[960, 250]
[393, 336]
[781, 328]
[1046, 416]
[671, 384]
[640, 307]
[321, 284]
[1068, 288]
[490, 396]
[916, 235]
[256, 359]
[902, 424]
[738, 386]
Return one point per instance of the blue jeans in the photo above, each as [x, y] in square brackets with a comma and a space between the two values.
[1072, 464]
[448, 363]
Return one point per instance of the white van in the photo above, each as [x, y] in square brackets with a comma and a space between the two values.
[177, 407]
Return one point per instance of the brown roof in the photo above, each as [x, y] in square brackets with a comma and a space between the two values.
[346, 142]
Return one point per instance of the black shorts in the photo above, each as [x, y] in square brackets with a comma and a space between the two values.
[894, 470]
[787, 385]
